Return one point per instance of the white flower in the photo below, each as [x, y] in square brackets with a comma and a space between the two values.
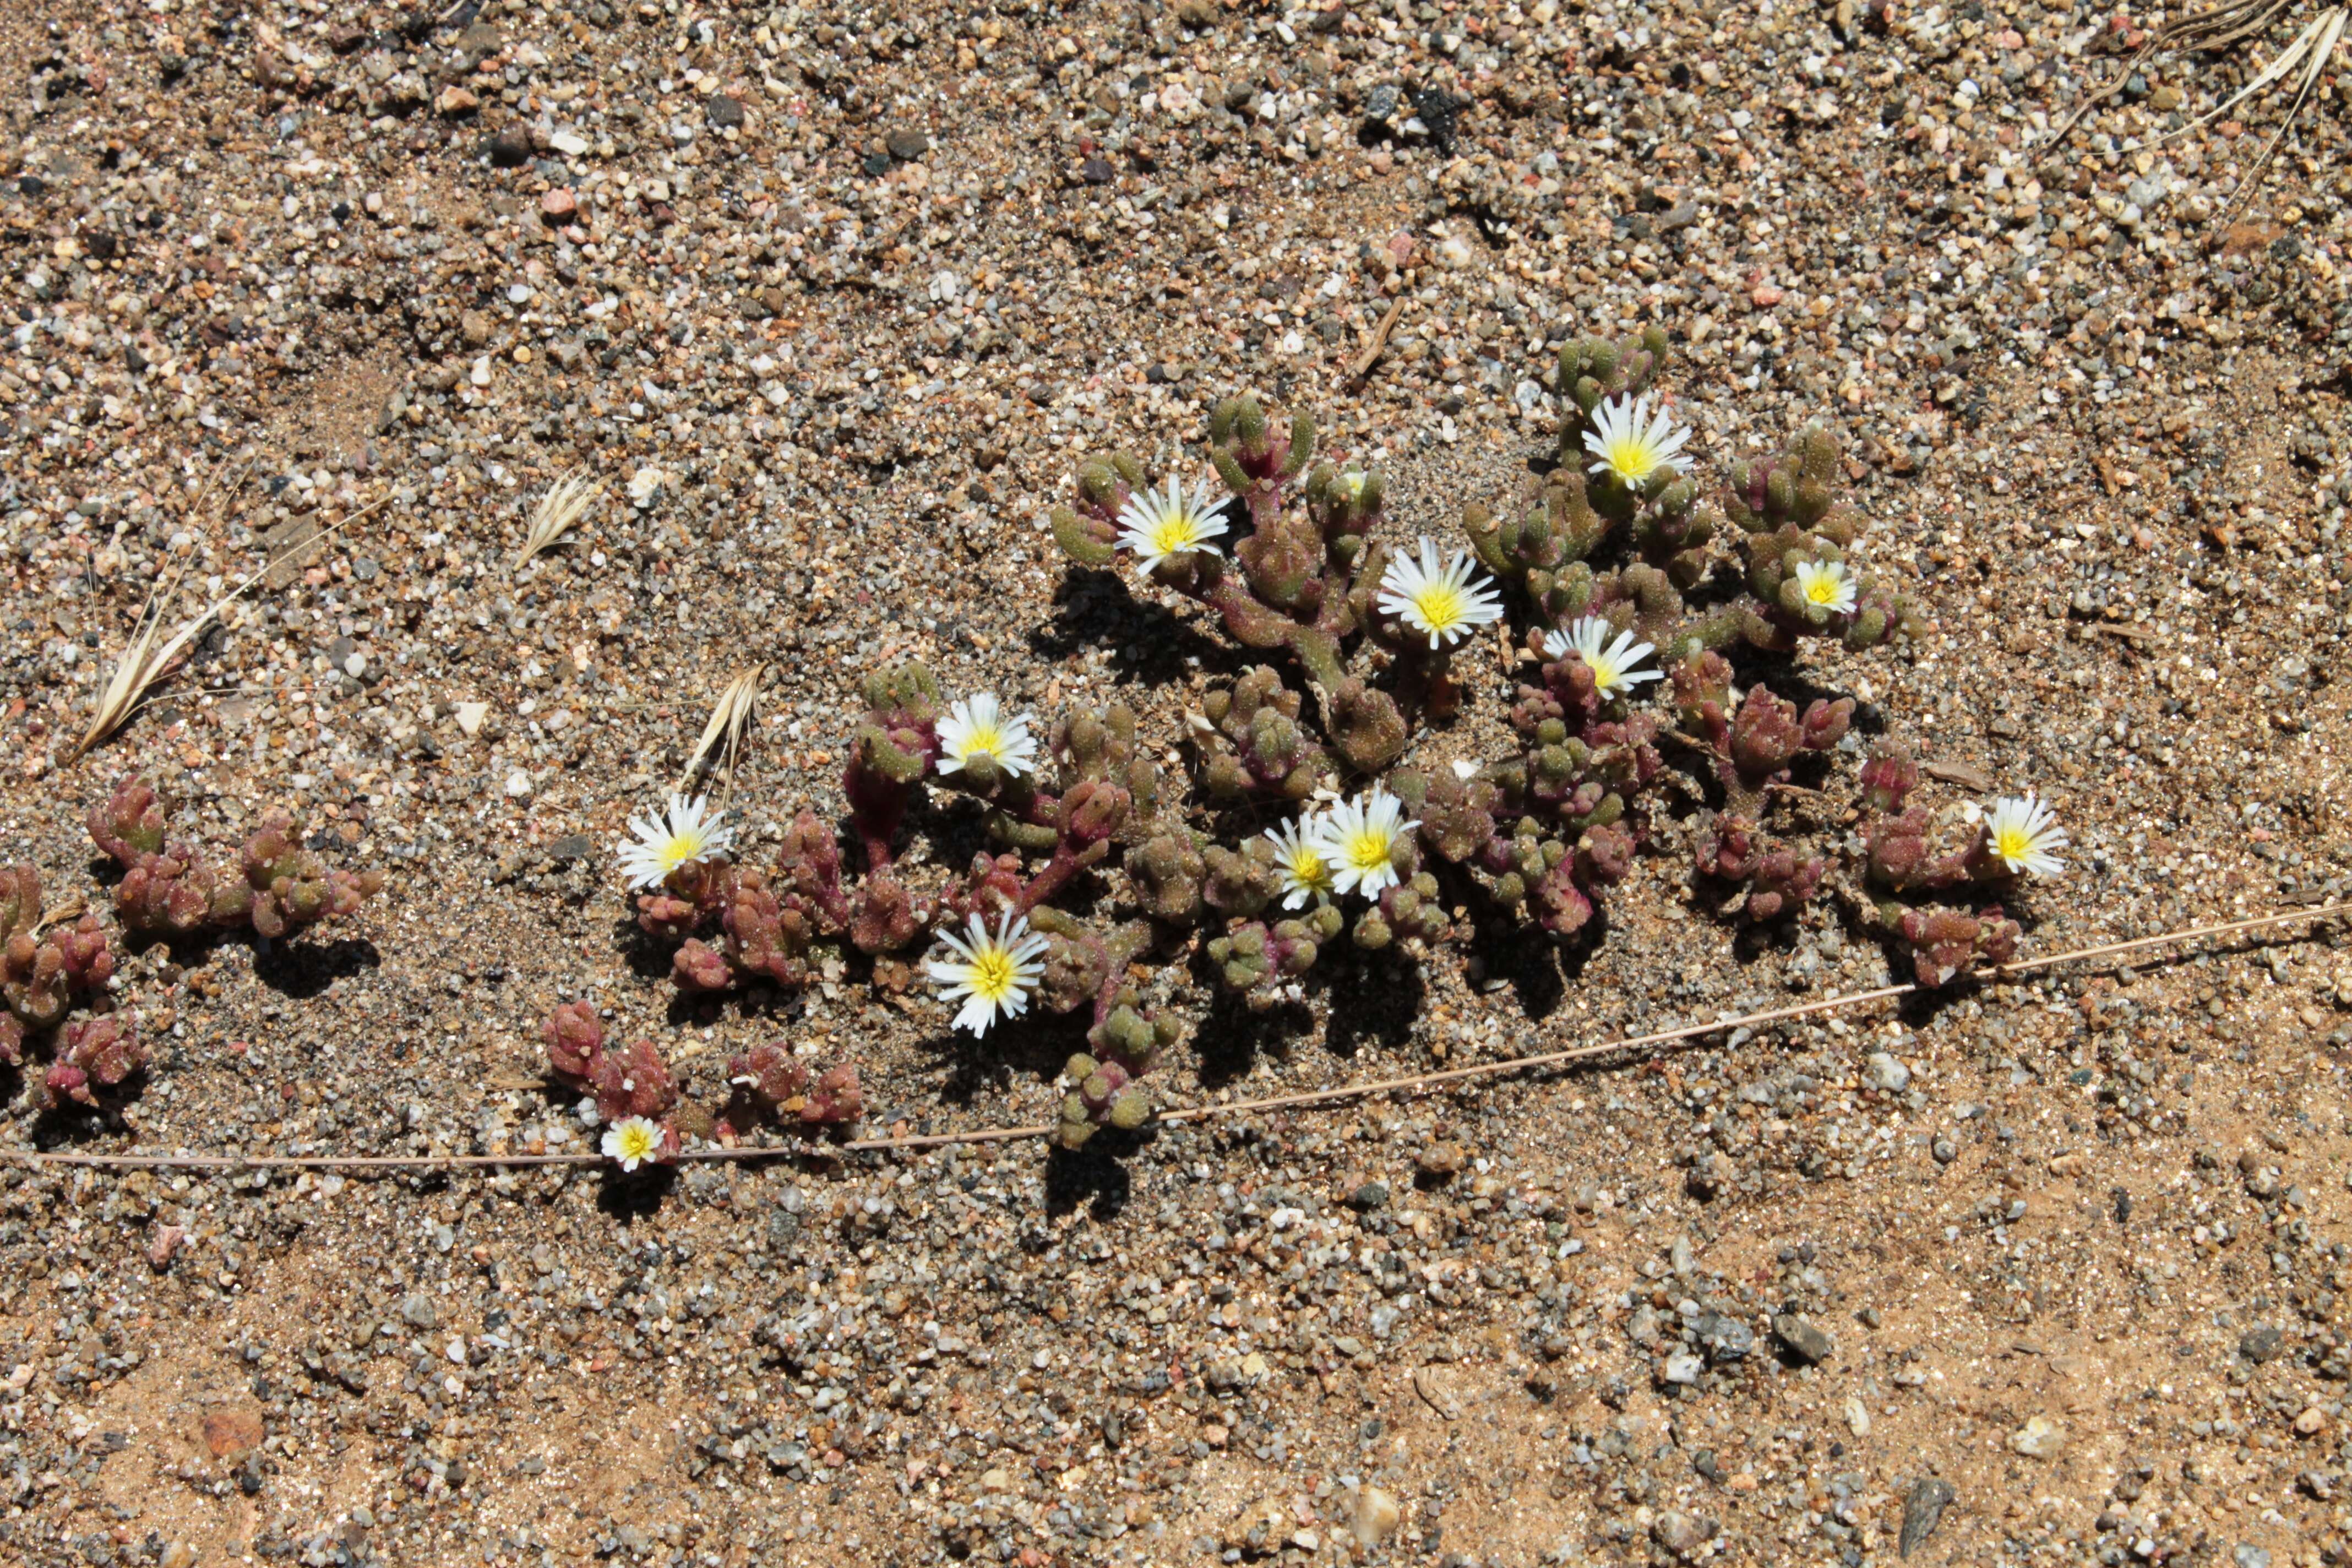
[976, 726]
[1157, 524]
[1633, 443]
[2022, 833]
[686, 834]
[993, 973]
[1613, 664]
[1299, 862]
[1826, 583]
[1442, 601]
[633, 1141]
[1359, 839]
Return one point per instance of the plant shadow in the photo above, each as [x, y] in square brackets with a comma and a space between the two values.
[1233, 1035]
[1531, 962]
[1372, 1003]
[72, 1126]
[647, 956]
[632, 1196]
[1097, 1174]
[1149, 643]
[299, 971]
[998, 1063]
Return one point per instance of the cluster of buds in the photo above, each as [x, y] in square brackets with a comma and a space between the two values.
[1751, 748]
[1798, 538]
[632, 1086]
[1103, 1094]
[1083, 966]
[275, 889]
[1304, 579]
[1909, 854]
[771, 1086]
[1254, 743]
[736, 923]
[45, 973]
[93, 1054]
[1943, 942]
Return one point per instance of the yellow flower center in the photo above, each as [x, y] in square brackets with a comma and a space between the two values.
[1367, 850]
[1823, 588]
[678, 849]
[1175, 534]
[992, 973]
[983, 740]
[2013, 843]
[1630, 457]
[636, 1143]
[1442, 607]
[1308, 869]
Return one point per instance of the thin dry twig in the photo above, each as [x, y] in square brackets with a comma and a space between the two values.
[1961, 774]
[72, 909]
[565, 503]
[1377, 341]
[144, 659]
[724, 733]
[134, 670]
[1682, 1034]
[2218, 30]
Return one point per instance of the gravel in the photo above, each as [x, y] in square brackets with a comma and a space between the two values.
[828, 308]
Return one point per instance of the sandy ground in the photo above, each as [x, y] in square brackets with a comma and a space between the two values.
[829, 303]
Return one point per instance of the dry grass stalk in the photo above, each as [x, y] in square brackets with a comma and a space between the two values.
[565, 503]
[149, 653]
[723, 736]
[65, 914]
[2218, 30]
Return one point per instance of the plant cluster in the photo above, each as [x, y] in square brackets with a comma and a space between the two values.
[52, 963]
[638, 1098]
[1615, 559]
[275, 888]
[46, 972]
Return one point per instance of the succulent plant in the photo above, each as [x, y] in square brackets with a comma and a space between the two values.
[47, 971]
[776, 1087]
[1945, 941]
[93, 1054]
[277, 888]
[1254, 743]
[1102, 1094]
[629, 1080]
[293, 888]
[1097, 866]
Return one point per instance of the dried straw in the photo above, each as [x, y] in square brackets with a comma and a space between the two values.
[2218, 30]
[148, 653]
[723, 736]
[565, 503]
